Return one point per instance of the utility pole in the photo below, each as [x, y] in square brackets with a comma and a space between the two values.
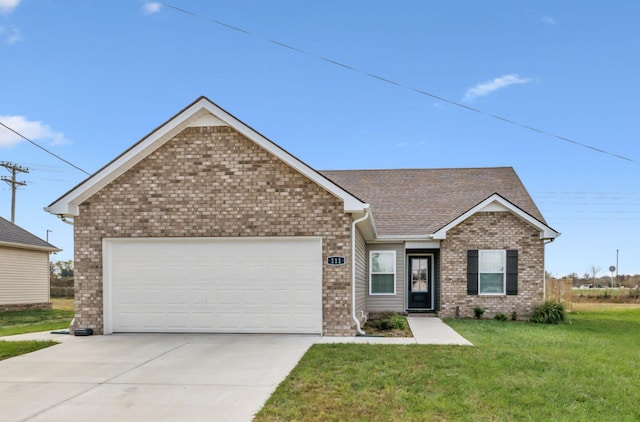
[14, 169]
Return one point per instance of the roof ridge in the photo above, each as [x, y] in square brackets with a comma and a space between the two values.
[425, 168]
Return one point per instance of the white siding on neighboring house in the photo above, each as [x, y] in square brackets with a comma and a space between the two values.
[394, 303]
[24, 276]
[362, 286]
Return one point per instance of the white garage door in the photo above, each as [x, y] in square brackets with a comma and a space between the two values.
[213, 285]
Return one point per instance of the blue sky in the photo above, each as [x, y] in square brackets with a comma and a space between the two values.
[88, 79]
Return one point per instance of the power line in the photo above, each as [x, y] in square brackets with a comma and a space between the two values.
[44, 149]
[401, 85]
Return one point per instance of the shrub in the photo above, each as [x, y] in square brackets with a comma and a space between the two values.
[478, 311]
[390, 321]
[550, 312]
[514, 316]
[500, 317]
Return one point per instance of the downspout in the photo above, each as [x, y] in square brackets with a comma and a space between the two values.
[545, 241]
[66, 219]
[69, 221]
[353, 269]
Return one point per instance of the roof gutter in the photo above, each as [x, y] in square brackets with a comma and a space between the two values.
[30, 247]
[353, 269]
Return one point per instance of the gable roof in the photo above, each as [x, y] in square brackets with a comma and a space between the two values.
[409, 203]
[202, 112]
[17, 237]
[423, 202]
[496, 202]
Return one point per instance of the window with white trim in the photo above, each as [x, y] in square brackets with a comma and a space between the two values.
[382, 272]
[491, 272]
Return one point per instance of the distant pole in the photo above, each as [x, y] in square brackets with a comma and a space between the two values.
[14, 169]
[48, 231]
[611, 270]
[617, 267]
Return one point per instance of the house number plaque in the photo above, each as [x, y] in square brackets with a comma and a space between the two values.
[335, 260]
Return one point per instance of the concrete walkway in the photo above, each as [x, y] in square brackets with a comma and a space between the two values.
[431, 330]
[426, 330]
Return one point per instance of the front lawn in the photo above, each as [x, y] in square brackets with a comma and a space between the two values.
[9, 349]
[30, 321]
[582, 370]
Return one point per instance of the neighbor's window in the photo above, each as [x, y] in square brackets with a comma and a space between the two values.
[491, 272]
[382, 269]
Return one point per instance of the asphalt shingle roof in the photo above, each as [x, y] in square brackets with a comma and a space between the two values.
[10, 233]
[421, 201]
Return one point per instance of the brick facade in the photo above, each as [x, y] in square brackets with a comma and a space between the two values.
[491, 230]
[212, 182]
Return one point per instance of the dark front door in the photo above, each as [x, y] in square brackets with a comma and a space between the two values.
[420, 282]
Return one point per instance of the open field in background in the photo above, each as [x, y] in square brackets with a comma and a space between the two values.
[607, 292]
[585, 369]
[600, 306]
[65, 304]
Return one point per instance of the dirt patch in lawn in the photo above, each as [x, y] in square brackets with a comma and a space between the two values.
[388, 325]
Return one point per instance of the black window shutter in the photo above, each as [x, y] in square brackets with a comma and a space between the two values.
[512, 272]
[472, 272]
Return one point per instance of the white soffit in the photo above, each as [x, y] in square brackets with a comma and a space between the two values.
[496, 202]
[428, 244]
[207, 119]
[494, 207]
[200, 113]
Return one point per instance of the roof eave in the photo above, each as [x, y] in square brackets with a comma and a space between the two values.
[68, 204]
[29, 247]
[546, 232]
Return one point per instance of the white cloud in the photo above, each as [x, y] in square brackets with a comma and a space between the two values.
[10, 35]
[410, 144]
[31, 129]
[150, 7]
[488, 87]
[548, 20]
[6, 6]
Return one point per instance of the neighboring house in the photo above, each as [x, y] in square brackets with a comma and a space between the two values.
[207, 226]
[24, 268]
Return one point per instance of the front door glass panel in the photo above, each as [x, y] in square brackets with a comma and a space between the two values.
[419, 273]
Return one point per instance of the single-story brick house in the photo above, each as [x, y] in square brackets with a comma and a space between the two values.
[24, 268]
[205, 225]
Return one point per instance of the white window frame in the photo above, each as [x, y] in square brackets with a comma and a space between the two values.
[504, 272]
[371, 273]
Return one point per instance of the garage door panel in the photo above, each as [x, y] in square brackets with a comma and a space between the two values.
[214, 285]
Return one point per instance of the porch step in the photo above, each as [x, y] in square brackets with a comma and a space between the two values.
[423, 314]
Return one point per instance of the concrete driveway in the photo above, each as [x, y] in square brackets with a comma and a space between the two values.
[155, 377]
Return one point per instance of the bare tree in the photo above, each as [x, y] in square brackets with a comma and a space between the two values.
[594, 270]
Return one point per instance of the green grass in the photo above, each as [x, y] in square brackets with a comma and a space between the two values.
[583, 370]
[29, 321]
[9, 349]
